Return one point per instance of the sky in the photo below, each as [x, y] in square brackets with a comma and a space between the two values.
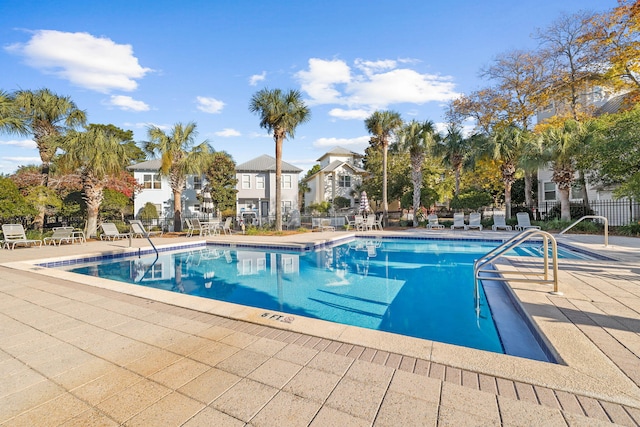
[141, 63]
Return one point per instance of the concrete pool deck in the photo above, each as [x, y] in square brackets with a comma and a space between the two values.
[88, 351]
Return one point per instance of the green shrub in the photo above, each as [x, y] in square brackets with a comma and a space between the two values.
[576, 210]
[632, 230]
[148, 211]
[471, 199]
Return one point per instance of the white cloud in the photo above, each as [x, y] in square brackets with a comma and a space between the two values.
[145, 125]
[253, 80]
[227, 132]
[127, 103]
[340, 113]
[95, 63]
[23, 143]
[357, 144]
[320, 80]
[371, 85]
[209, 105]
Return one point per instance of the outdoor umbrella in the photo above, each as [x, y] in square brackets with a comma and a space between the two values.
[207, 202]
[364, 203]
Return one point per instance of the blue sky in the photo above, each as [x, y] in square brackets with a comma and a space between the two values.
[137, 63]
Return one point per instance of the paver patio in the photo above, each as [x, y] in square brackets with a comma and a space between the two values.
[91, 352]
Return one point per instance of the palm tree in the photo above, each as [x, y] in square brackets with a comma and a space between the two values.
[561, 146]
[47, 116]
[506, 145]
[417, 138]
[97, 154]
[279, 113]
[180, 158]
[382, 125]
[10, 120]
[455, 149]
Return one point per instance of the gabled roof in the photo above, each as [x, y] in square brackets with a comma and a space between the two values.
[265, 163]
[149, 165]
[616, 104]
[337, 163]
[339, 151]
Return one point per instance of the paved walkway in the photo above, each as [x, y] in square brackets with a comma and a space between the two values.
[99, 353]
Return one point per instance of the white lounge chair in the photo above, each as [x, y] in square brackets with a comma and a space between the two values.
[226, 227]
[500, 223]
[524, 223]
[325, 225]
[14, 235]
[433, 223]
[474, 221]
[110, 232]
[379, 219]
[138, 230]
[60, 234]
[458, 221]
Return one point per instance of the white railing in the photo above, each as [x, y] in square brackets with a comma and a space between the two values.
[606, 226]
[510, 244]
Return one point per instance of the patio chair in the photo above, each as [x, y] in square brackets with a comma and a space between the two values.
[358, 222]
[474, 221]
[226, 227]
[194, 225]
[500, 223]
[60, 234]
[110, 232]
[458, 221]
[138, 230]
[370, 223]
[524, 223]
[379, 219]
[325, 225]
[433, 223]
[14, 235]
[349, 223]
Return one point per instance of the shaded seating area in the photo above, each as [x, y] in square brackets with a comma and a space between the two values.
[500, 223]
[524, 222]
[138, 230]
[433, 223]
[14, 234]
[61, 234]
[111, 232]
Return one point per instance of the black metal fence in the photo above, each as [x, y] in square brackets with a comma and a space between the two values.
[618, 212]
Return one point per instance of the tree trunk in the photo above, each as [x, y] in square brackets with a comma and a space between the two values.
[93, 198]
[585, 195]
[279, 139]
[507, 199]
[528, 188]
[385, 204]
[177, 211]
[565, 207]
[416, 177]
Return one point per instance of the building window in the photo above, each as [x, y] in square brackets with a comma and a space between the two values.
[576, 191]
[197, 183]
[154, 272]
[549, 191]
[344, 181]
[260, 182]
[286, 182]
[196, 208]
[151, 181]
[286, 206]
[246, 181]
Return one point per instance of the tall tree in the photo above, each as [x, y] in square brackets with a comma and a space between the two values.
[616, 40]
[10, 119]
[221, 180]
[96, 154]
[454, 148]
[46, 116]
[562, 145]
[417, 139]
[180, 157]
[506, 145]
[281, 113]
[383, 126]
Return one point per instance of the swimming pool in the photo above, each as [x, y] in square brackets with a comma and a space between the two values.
[418, 288]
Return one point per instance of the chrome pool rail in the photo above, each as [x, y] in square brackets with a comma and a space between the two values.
[606, 226]
[510, 244]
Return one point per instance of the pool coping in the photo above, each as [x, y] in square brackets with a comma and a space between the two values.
[588, 371]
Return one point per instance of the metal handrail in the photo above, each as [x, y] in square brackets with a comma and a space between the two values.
[606, 226]
[510, 244]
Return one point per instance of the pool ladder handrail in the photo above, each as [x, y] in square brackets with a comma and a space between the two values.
[146, 234]
[606, 226]
[510, 244]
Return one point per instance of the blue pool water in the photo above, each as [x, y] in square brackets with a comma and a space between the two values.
[418, 288]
